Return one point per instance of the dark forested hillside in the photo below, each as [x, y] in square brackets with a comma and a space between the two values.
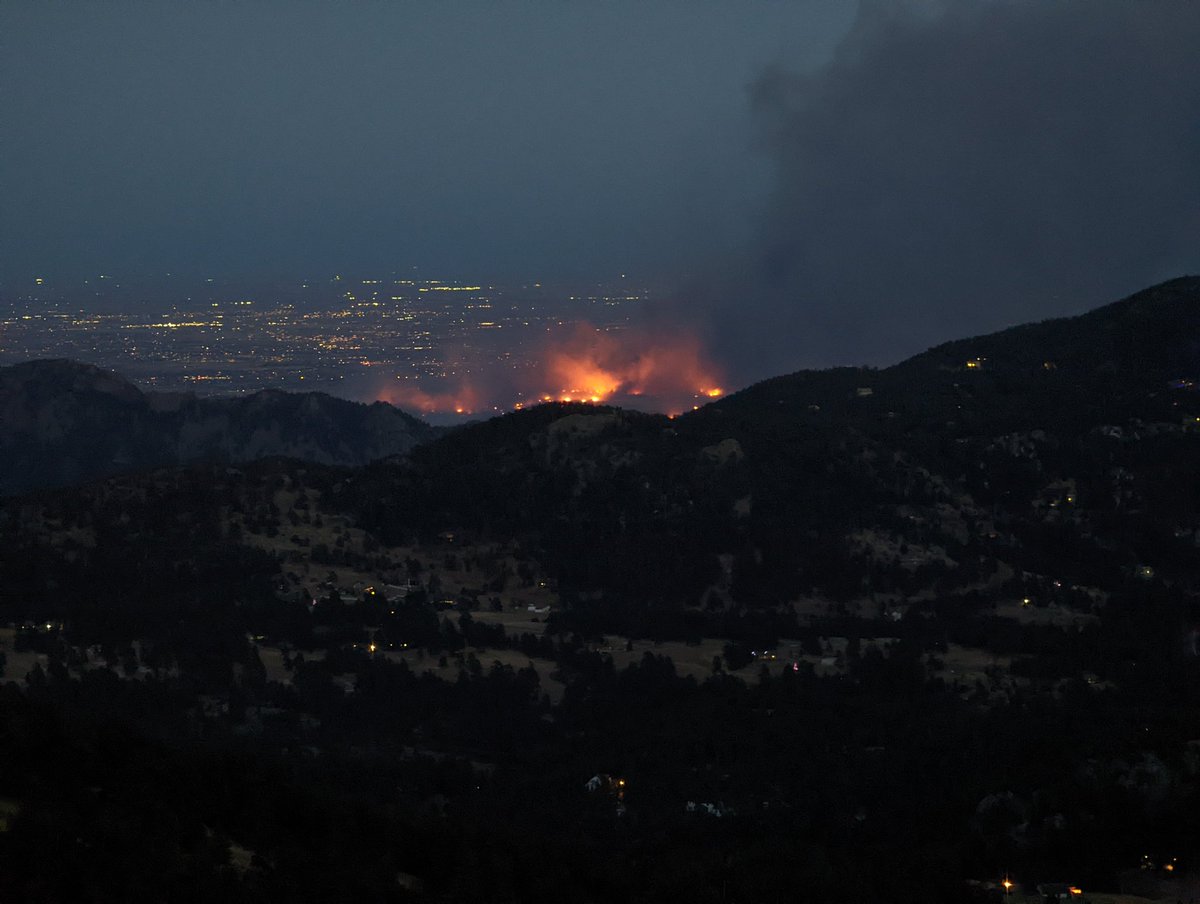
[1078, 433]
[846, 635]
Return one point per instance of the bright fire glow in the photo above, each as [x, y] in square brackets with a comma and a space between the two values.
[644, 369]
[589, 365]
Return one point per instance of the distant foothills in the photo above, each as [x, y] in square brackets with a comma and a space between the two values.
[63, 422]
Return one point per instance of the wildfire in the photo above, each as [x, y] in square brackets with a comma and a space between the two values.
[461, 400]
[594, 366]
[579, 363]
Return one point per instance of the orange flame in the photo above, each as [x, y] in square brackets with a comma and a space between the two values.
[639, 368]
[591, 365]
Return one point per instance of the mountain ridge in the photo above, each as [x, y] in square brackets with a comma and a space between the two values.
[63, 422]
[793, 478]
[1138, 357]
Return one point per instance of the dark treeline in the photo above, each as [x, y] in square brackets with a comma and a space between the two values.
[197, 706]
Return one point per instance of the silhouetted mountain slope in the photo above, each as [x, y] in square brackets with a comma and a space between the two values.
[62, 422]
[905, 627]
[817, 482]
[1114, 360]
[970, 454]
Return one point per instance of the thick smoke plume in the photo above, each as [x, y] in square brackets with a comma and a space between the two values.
[958, 167]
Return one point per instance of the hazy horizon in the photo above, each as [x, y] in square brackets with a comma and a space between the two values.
[804, 184]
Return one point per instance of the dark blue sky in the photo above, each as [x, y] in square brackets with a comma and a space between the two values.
[487, 138]
[826, 181]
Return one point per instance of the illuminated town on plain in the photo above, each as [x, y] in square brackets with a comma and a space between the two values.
[412, 340]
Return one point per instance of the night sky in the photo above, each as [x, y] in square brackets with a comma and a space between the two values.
[825, 182]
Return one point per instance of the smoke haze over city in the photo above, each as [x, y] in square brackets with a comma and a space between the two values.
[806, 184]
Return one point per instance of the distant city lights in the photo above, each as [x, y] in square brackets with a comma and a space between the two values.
[431, 346]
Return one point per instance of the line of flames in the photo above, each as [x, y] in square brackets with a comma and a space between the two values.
[592, 366]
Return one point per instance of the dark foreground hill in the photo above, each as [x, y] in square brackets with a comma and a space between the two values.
[62, 422]
[850, 635]
[1065, 447]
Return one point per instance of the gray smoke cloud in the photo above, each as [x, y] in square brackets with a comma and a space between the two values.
[958, 167]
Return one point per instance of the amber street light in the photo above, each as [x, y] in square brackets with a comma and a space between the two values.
[1007, 883]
